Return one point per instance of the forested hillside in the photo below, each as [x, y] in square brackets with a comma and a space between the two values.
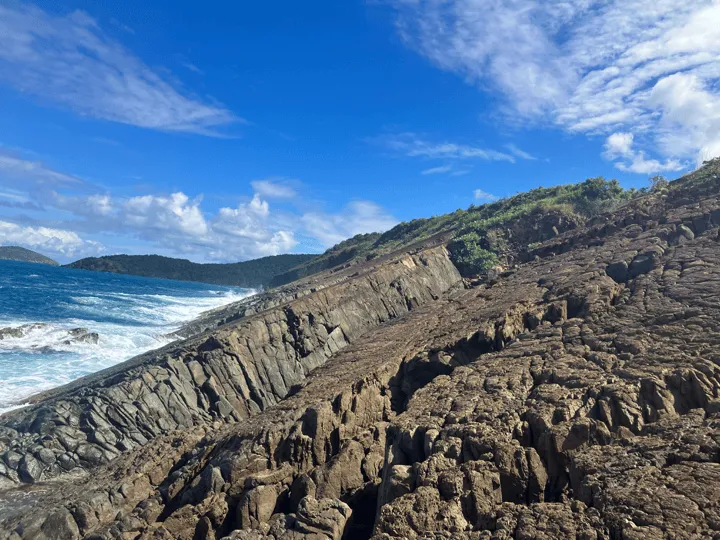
[251, 274]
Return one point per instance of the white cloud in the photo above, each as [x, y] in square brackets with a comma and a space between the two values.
[648, 67]
[358, 217]
[175, 224]
[691, 119]
[412, 145]
[484, 196]
[619, 146]
[522, 154]
[70, 61]
[437, 170]
[47, 240]
[273, 189]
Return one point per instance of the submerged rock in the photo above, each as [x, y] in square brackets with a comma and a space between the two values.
[82, 335]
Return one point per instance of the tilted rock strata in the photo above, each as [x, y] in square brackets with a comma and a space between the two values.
[575, 396]
[228, 374]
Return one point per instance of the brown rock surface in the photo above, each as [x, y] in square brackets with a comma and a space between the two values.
[576, 395]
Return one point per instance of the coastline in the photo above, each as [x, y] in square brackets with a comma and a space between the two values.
[180, 329]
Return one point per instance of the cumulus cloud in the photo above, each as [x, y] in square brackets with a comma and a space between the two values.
[358, 217]
[249, 230]
[619, 148]
[47, 240]
[484, 196]
[174, 214]
[646, 67]
[70, 61]
[69, 210]
[177, 223]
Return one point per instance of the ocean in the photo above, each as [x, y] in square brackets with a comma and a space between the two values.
[68, 323]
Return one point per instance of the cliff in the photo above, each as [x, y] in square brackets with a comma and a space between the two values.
[248, 274]
[15, 253]
[573, 395]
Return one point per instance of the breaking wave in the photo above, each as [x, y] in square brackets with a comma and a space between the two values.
[84, 323]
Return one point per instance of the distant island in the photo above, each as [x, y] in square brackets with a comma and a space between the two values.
[17, 253]
[249, 274]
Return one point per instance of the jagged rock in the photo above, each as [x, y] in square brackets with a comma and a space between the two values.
[577, 396]
[82, 335]
[30, 469]
[618, 271]
[232, 373]
[326, 517]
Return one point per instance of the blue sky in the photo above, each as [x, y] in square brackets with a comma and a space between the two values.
[229, 131]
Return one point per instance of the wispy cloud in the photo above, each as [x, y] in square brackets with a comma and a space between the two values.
[522, 154]
[412, 145]
[17, 170]
[484, 196]
[274, 189]
[14, 199]
[193, 68]
[646, 67]
[437, 170]
[70, 61]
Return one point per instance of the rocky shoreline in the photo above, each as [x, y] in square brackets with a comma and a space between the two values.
[576, 395]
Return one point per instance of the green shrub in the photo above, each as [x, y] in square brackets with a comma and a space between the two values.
[469, 256]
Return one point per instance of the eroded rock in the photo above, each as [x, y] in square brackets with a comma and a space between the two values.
[574, 397]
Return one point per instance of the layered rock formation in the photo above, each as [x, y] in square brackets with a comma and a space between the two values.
[576, 395]
[229, 374]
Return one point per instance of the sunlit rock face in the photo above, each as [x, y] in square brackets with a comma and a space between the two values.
[575, 395]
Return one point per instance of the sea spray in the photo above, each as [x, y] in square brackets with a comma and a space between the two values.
[129, 314]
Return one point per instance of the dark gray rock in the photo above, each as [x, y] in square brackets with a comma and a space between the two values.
[618, 271]
[30, 469]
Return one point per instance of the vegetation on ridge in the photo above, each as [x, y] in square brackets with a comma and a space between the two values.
[483, 236]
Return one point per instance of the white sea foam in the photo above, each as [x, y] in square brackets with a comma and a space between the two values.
[45, 358]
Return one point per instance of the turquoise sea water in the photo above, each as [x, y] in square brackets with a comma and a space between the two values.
[130, 314]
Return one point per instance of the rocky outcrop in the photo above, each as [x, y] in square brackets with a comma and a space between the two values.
[228, 374]
[576, 395]
[73, 335]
